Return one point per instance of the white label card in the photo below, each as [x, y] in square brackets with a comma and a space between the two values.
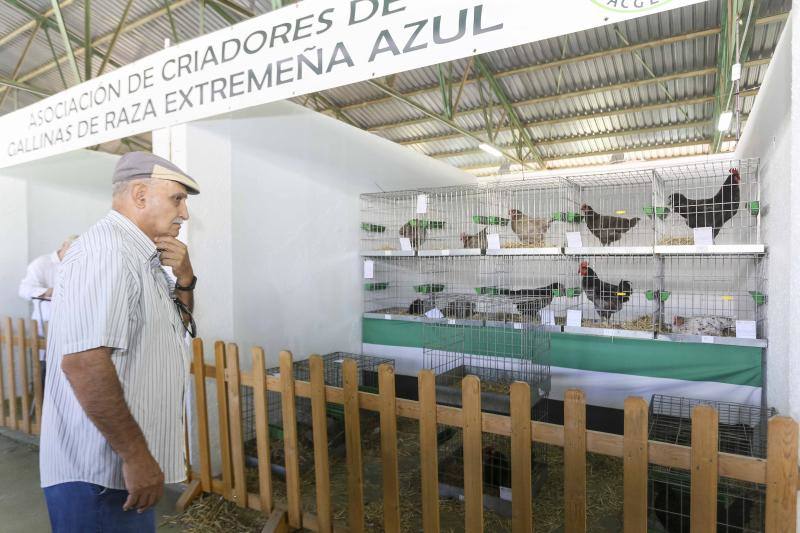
[707, 339]
[574, 317]
[746, 329]
[434, 313]
[422, 204]
[505, 494]
[703, 237]
[405, 244]
[387, 317]
[547, 317]
[445, 252]
[574, 239]
[493, 241]
[517, 325]
[369, 269]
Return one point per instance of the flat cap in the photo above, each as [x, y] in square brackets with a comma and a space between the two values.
[143, 165]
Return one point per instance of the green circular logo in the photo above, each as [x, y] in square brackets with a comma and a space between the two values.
[630, 6]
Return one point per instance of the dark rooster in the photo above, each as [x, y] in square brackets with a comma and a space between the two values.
[710, 212]
[607, 228]
[607, 298]
[530, 301]
[496, 468]
[414, 230]
[475, 241]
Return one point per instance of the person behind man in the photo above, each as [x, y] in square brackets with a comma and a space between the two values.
[37, 286]
[112, 426]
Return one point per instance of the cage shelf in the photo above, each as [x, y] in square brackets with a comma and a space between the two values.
[711, 339]
[526, 251]
[456, 252]
[388, 253]
[615, 251]
[714, 249]
[609, 332]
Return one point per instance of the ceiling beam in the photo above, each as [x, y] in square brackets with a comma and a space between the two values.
[23, 87]
[492, 169]
[153, 15]
[574, 118]
[114, 38]
[13, 34]
[21, 60]
[587, 137]
[65, 36]
[438, 118]
[572, 60]
[575, 94]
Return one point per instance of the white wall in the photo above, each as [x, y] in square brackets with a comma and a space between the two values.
[43, 202]
[768, 136]
[277, 225]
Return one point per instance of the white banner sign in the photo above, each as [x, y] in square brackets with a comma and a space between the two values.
[307, 47]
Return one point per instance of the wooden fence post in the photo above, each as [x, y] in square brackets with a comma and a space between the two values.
[289, 411]
[781, 512]
[222, 409]
[24, 377]
[235, 417]
[6, 347]
[352, 432]
[388, 416]
[201, 406]
[38, 393]
[634, 450]
[319, 415]
[262, 431]
[12, 377]
[574, 461]
[473, 454]
[705, 469]
[428, 451]
[521, 495]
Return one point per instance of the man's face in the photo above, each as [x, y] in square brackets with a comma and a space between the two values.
[165, 208]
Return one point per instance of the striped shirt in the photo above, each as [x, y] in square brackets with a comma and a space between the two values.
[112, 291]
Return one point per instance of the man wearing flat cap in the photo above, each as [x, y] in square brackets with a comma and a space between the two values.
[112, 424]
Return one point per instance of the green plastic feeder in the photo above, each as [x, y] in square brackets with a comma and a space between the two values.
[429, 288]
[649, 210]
[487, 290]
[662, 211]
[572, 292]
[557, 293]
[376, 286]
[662, 295]
[574, 217]
[372, 228]
[658, 211]
[559, 217]
[759, 297]
[754, 207]
[489, 221]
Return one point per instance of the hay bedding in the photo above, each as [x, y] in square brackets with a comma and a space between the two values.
[212, 514]
[643, 323]
[676, 241]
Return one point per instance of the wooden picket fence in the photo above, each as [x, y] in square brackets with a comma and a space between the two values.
[20, 370]
[779, 471]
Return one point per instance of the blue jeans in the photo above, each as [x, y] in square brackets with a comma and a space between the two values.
[80, 507]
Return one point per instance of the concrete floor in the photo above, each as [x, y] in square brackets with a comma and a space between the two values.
[22, 506]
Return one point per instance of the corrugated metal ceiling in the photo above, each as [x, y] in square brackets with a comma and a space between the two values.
[644, 88]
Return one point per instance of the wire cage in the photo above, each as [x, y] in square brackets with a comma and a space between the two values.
[496, 467]
[532, 289]
[723, 195]
[530, 214]
[389, 217]
[390, 285]
[367, 373]
[742, 431]
[453, 219]
[616, 292]
[713, 296]
[613, 208]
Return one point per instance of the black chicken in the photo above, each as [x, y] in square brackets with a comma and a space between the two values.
[530, 301]
[496, 468]
[710, 212]
[607, 298]
[607, 228]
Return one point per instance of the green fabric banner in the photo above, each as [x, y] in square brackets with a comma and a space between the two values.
[735, 365]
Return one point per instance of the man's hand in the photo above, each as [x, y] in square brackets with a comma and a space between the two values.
[143, 480]
[175, 254]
